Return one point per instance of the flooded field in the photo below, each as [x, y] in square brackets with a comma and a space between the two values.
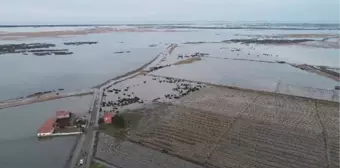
[246, 74]
[290, 54]
[88, 66]
[135, 93]
[198, 57]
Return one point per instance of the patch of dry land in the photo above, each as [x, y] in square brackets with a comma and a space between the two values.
[295, 35]
[188, 61]
[85, 31]
[41, 97]
[310, 35]
[225, 127]
[309, 40]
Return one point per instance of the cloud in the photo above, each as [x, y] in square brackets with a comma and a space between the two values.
[111, 11]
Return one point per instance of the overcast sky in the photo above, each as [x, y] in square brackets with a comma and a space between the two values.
[128, 11]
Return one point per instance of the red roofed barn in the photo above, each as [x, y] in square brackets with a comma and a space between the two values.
[108, 117]
[47, 128]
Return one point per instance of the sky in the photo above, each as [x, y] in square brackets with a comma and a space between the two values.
[149, 11]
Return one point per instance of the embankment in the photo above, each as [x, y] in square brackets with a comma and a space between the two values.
[41, 98]
[170, 48]
[318, 70]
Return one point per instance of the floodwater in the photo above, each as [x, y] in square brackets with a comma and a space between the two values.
[90, 65]
[246, 74]
[19, 144]
[304, 55]
[289, 53]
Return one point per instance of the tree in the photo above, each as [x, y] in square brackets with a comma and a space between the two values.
[118, 121]
[101, 120]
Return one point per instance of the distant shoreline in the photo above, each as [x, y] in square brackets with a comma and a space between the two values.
[191, 25]
[86, 25]
[61, 33]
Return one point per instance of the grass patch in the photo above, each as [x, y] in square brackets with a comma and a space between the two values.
[121, 124]
[141, 72]
[118, 121]
[188, 61]
[96, 165]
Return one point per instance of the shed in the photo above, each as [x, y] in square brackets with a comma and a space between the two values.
[62, 114]
[108, 117]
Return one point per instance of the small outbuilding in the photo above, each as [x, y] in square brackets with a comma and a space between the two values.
[108, 117]
[63, 114]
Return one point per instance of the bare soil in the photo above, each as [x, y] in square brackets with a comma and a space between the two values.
[188, 61]
[98, 30]
[224, 127]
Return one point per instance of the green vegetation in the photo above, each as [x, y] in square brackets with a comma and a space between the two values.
[188, 61]
[118, 121]
[96, 165]
[121, 125]
[101, 120]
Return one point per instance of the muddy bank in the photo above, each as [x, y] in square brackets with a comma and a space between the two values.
[81, 43]
[188, 61]
[320, 70]
[276, 40]
[251, 60]
[155, 68]
[126, 74]
[171, 48]
[196, 42]
[310, 35]
[35, 98]
[196, 54]
[291, 35]
[21, 48]
[153, 45]
[84, 31]
[268, 41]
[44, 92]
[55, 52]
[121, 52]
[255, 41]
[328, 70]
[36, 94]
[257, 27]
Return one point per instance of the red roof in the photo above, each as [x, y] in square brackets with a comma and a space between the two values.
[108, 117]
[62, 113]
[47, 127]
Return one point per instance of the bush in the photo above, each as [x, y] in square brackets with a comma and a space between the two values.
[118, 121]
[101, 120]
